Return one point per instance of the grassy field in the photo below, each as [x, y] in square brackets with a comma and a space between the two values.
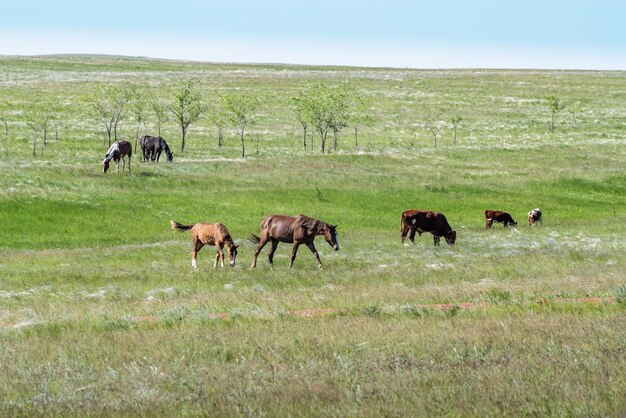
[102, 314]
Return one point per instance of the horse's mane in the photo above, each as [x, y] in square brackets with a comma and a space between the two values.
[111, 150]
[223, 232]
[311, 224]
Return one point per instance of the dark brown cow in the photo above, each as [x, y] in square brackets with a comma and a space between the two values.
[426, 221]
[500, 216]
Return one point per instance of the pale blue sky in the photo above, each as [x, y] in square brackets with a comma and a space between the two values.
[394, 33]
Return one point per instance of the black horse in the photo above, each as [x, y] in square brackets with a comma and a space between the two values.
[153, 146]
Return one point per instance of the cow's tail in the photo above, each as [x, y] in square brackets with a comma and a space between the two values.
[180, 227]
[403, 223]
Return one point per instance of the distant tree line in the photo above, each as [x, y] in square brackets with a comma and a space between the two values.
[322, 109]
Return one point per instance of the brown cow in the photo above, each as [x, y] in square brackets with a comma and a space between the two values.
[426, 221]
[501, 216]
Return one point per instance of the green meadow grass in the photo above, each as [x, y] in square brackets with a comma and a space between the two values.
[85, 255]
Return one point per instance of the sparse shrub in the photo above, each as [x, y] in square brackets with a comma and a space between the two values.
[498, 296]
[620, 294]
[373, 311]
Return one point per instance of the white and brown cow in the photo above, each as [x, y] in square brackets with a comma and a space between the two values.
[534, 216]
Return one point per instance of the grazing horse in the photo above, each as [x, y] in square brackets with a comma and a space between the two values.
[153, 146]
[117, 152]
[293, 229]
[209, 234]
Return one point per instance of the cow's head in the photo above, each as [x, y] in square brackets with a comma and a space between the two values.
[450, 237]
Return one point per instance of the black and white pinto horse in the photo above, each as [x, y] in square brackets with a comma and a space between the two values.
[117, 152]
[153, 146]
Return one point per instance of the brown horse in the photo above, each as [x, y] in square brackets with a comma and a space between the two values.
[293, 229]
[209, 234]
[118, 151]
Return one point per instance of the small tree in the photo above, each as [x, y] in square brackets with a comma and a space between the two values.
[186, 107]
[327, 108]
[361, 116]
[555, 106]
[456, 122]
[138, 107]
[109, 107]
[298, 106]
[239, 109]
[159, 110]
[434, 129]
[40, 120]
[218, 118]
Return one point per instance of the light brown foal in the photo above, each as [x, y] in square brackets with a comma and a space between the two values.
[209, 234]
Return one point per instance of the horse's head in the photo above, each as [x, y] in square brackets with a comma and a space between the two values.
[232, 254]
[105, 164]
[170, 156]
[331, 237]
[450, 237]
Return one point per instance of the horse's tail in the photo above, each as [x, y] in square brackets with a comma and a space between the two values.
[255, 239]
[180, 227]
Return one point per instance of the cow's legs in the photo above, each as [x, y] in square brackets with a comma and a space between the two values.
[412, 236]
[436, 239]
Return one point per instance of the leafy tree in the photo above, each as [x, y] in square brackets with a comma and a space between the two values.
[239, 109]
[186, 107]
[298, 106]
[555, 106]
[327, 109]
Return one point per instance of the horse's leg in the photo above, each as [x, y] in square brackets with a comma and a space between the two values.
[270, 255]
[262, 241]
[196, 246]
[129, 158]
[117, 167]
[219, 255]
[294, 250]
[316, 254]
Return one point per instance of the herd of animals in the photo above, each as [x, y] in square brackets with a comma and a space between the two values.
[301, 229]
[296, 230]
[151, 149]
